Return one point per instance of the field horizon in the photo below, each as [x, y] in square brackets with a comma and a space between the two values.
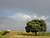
[19, 34]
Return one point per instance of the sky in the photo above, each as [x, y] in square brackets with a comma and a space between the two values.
[15, 13]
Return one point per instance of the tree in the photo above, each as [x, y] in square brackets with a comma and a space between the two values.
[36, 26]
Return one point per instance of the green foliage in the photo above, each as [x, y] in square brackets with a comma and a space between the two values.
[36, 26]
[43, 25]
[5, 32]
[3, 36]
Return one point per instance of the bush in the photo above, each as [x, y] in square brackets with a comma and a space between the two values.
[5, 32]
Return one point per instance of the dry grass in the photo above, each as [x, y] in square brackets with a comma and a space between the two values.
[29, 37]
[14, 34]
[24, 35]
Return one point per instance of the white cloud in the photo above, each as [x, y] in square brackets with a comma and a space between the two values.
[44, 17]
[35, 17]
[20, 16]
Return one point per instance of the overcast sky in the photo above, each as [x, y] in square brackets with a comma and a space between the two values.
[15, 13]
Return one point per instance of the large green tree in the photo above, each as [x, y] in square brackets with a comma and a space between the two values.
[36, 26]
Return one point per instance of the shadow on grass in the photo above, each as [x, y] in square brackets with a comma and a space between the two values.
[26, 34]
[32, 34]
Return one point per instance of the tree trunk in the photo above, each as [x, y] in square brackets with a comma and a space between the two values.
[35, 33]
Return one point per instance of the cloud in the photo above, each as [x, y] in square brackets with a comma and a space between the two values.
[40, 17]
[17, 21]
[35, 16]
[44, 17]
[10, 7]
[14, 22]
[20, 16]
[11, 24]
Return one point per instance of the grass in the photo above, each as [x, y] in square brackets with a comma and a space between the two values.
[15, 34]
[44, 34]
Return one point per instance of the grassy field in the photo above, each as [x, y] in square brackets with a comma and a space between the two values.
[15, 34]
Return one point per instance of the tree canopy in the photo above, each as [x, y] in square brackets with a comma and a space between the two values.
[36, 26]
